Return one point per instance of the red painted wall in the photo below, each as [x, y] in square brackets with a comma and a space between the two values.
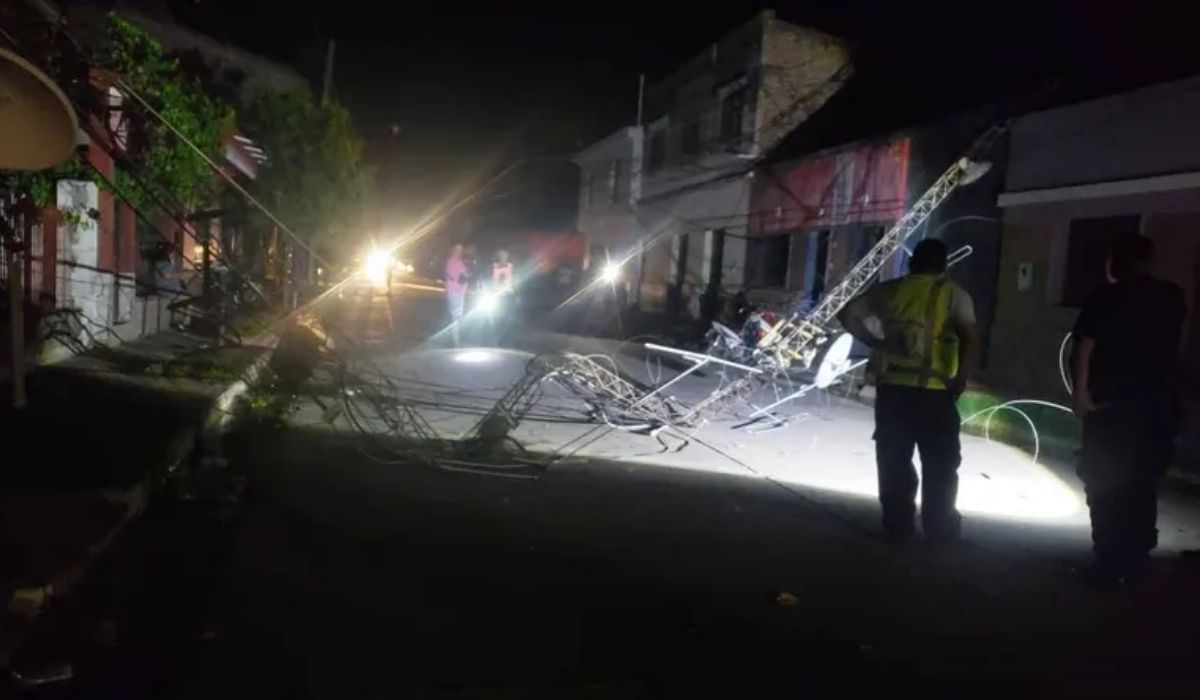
[49, 267]
[800, 195]
[127, 232]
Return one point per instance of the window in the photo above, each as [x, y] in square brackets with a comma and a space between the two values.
[622, 173]
[587, 191]
[1088, 244]
[691, 137]
[656, 154]
[865, 239]
[768, 260]
[620, 181]
[600, 181]
[597, 256]
[816, 264]
[733, 116]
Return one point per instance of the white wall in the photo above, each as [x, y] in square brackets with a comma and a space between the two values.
[692, 212]
[88, 291]
[613, 224]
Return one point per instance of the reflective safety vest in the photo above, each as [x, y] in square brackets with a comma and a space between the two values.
[920, 347]
[502, 276]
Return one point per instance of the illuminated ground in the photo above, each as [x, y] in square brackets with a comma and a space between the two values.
[825, 444]
[627, 573]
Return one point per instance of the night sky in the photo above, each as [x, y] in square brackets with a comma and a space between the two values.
[443, 89]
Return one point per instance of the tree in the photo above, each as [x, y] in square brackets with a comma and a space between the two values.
[313, 180]
[164, 161]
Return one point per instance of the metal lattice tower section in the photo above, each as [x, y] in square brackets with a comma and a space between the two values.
[516, 403]
[610, 394]
[612, 398]
[859, 276]
[806, 332]
[376, 408]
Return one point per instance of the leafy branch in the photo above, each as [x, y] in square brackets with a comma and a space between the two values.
[163, 159]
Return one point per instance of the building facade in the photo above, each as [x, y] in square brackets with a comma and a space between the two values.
[815, 216]
[90, 251]
[1078, 176]
[610, 177]
[706, 126]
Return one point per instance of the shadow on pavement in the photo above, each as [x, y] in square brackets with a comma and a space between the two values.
[349, 577]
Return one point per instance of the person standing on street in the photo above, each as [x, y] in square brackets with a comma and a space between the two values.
[921, 364]
[498, 322]
[456, 290]
[1126, 358]
[502, 272]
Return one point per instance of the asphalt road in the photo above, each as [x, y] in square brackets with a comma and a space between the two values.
[350, 577]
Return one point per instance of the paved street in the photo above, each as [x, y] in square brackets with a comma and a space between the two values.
[623, 572]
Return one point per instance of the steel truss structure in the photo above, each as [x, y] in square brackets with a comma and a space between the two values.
[619, 403]
[799, 337]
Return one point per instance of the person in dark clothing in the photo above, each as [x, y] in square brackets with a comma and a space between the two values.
[1126, 351]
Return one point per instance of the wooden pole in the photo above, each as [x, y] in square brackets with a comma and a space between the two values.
[327, 81]
[16, 326]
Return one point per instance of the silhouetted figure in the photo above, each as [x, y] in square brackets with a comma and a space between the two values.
[921, 364]
[456, 279]
[1126, 352]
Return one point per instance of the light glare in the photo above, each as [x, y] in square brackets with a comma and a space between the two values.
[376, 266]
[488, 302]
[474, 357]
[611, 272]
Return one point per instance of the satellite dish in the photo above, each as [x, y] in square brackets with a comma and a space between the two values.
[37, 124]
[727, 333]
[836, 361]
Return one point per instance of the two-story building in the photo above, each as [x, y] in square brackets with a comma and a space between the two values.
[92, 252]
[610, 176]
[830, 191]
[705, 127]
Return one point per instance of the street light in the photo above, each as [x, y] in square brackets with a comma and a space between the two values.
[610, 273]
[377, 265]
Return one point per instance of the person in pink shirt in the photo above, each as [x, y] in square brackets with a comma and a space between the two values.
[456, 289]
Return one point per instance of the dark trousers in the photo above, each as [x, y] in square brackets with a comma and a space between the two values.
[927, 419]
[1126, 451]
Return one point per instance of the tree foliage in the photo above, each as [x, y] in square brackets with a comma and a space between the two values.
[165, 162]
[313, 179]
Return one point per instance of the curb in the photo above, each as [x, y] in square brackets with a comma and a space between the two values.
[221, 414]
[26, 604]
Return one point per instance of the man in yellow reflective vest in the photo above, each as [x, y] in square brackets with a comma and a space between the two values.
[920, 362]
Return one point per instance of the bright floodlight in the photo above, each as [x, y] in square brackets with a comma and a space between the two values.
[836, 361]
[488, 302]
[376, 266]
[973, 170]
[610, 273]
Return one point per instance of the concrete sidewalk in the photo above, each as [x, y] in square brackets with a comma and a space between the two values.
[101, 432]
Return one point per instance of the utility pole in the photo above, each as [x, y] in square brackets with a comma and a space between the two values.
[327, 81]
[641, 96]
[203, 229]
[16, 315]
